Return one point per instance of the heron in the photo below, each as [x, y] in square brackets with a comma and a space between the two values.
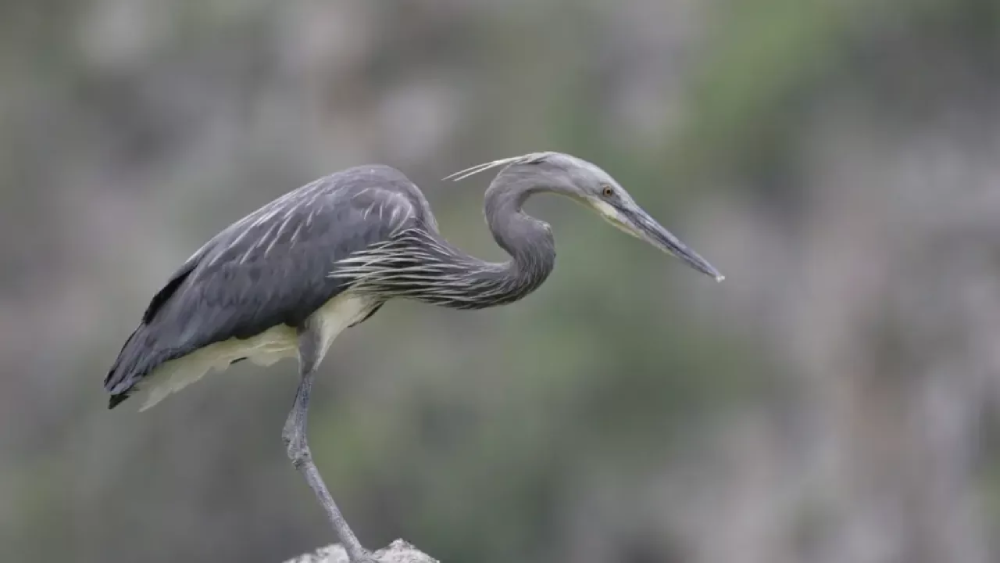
[285, 280]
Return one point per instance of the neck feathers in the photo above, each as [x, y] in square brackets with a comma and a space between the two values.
[419, 264]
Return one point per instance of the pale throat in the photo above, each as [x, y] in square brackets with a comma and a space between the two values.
[610, 214]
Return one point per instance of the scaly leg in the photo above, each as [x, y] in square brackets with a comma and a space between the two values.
[297, 444]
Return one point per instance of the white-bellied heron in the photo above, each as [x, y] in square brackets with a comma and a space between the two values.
[283, 281]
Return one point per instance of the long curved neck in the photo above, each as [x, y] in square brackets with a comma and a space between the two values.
[527, 240]
[463, 281]
[418, 263]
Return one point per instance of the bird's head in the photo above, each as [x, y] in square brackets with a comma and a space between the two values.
[588, 184]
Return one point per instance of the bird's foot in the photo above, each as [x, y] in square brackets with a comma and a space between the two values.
[364, 557]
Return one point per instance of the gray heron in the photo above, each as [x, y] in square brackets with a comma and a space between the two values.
[285, 280]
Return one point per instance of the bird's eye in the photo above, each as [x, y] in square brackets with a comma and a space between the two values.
[606, 191]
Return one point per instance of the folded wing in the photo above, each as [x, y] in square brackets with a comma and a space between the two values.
[271, 267]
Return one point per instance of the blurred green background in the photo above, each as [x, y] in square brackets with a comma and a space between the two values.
[835, 400]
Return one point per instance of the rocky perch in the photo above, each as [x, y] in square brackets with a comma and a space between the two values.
[398, 552]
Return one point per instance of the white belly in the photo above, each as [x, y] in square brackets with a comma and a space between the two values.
[266, 348]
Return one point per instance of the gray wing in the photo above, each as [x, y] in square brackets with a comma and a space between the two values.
[272, 267]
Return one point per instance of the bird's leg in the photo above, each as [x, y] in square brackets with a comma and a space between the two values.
[297, 444]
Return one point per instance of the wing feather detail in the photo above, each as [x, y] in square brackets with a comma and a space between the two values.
[269, 268]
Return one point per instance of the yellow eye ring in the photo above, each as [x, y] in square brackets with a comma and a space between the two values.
[607, 191]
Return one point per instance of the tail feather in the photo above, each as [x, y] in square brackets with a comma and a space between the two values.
[136, 359]
[116, 400]
[140, 354]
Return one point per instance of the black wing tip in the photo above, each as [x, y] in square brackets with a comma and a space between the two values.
[116, 400]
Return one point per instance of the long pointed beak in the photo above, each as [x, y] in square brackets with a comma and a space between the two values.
[638, 223]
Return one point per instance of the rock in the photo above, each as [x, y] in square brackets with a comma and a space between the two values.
[398, 551]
